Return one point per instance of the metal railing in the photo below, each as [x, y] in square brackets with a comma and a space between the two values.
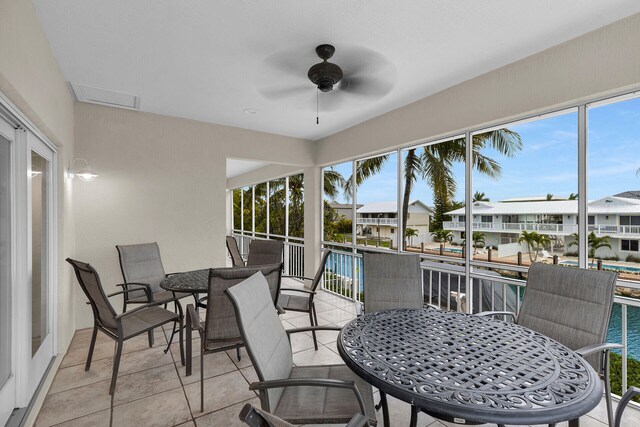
[494, 287]
[544, 228]
[293, 249]
[377, 221]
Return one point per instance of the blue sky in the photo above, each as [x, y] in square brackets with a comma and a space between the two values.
[547, 163]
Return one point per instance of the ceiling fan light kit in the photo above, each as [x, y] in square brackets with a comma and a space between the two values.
[325, 74]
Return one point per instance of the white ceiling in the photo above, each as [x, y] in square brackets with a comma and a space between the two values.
[237, 167]
[209, 60]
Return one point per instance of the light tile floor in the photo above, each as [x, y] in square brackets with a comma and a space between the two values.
[152, 388]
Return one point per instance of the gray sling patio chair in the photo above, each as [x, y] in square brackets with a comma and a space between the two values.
[298, 394]
[303, 302]
[234, 252]
[263, 252]
[255, 417]
[623, 403]
[573, 307]
[391, 281]
[120, 327]
[219, 331]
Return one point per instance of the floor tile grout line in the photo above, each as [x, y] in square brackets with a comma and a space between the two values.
[184, 392]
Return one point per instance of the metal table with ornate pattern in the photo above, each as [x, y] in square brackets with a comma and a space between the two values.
[195, 282]
[469, 369]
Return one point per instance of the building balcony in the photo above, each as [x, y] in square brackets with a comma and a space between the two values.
[378, 221]
[621, 231]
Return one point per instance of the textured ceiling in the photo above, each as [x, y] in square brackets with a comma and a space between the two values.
[210, 60]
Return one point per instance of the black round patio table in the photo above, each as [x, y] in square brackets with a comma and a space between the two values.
[469, 369]
[195, 282]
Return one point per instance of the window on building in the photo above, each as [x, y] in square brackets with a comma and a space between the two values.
[629, 245]
[392, 231]
[629, 220]
[486, 218]
[592, 220]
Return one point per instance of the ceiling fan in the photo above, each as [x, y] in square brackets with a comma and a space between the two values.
[362, 76]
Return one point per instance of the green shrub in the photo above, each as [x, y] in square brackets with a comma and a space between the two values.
[632, 258]
[633, 374]
[571, 254]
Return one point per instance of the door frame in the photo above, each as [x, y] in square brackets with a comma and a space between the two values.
[25, 386]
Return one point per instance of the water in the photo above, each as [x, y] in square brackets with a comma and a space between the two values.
[611, 267]
[342, 265]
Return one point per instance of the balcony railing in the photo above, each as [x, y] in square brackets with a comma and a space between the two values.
[293, 249]
[556, 229]
[494, 292]
[377, 221]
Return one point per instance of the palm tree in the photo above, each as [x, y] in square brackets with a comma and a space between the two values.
[477, 238]
[480, 197]
[573, 196]
[442, 236]
[333, 183]
[411, 233]
[594, 243]
[549, 196]
[534, 242]
[435, 164]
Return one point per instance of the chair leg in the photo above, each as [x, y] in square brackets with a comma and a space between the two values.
[385, 409]
[180, 337]
[189, 345]
[315, 340]
[315, 315]
[607, 388]
[91, 347]
[201, 382]
[238, 353]
[150, 335]
[414, 416]
[116, 366]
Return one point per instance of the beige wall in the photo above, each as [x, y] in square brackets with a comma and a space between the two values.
[601, 62]
[161, 179]
[31, 79]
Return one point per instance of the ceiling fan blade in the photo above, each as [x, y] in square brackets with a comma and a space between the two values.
[369, 87]
[330, 101]
[284, 92]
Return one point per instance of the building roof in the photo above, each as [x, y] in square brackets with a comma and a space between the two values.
[335, 205]
[606, 205]
[532, 199]
[391, 207]
[629, 195]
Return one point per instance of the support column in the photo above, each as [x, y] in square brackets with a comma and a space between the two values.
[312, 219]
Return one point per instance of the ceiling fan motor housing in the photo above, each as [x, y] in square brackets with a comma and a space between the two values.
[325, 74]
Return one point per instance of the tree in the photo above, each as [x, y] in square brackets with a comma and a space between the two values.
[333, 183]
[535, 242]
[478, 238]
[442, 236]
[411, 233]
[549, 196]
[594, 243]
[435, 165]
[480, 197]
[573, 196]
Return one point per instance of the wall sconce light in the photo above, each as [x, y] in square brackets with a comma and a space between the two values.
[84, 172]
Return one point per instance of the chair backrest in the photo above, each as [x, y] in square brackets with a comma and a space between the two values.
[142, 264]
[569, 305]
[323, 264]
[263, 252]
[220, 321]
[234, 252]
[262, 332]
[392, 281]
[89, 280]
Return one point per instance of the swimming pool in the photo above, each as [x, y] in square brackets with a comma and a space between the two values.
[611, 267]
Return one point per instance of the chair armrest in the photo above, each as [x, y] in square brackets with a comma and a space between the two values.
[298, 290]
[594, 348]
[312, 328]
[314, 382]
[193, 320]
[146, 290]
[297, 277]
[624, 401]
[498, 313]
[358, 420]
[141, 307]
[171, 274]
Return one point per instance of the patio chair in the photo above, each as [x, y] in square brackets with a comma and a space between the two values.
[255, 417]
[622, 404]
[304, 302]
[219, 331]
[120, 327]
[298, 394]
[263, 252]
[392, 281]
[234, 252]
[573, 307]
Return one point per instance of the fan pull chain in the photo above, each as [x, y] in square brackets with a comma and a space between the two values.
[317, 118]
